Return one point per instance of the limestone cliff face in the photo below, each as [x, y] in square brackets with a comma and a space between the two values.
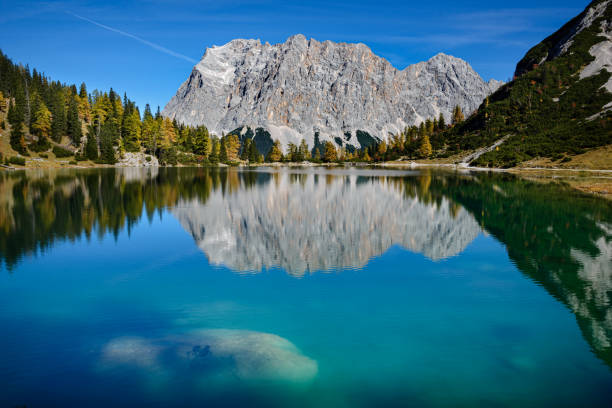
[300, 87]
[303, 223]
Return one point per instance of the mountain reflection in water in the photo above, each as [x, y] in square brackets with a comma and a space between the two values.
[313, 220]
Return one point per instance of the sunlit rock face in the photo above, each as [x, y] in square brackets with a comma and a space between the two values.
[312, 222]
[303, 86]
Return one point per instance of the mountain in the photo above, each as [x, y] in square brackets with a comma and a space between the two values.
[309, 222]
[559, 104]
[300, 87]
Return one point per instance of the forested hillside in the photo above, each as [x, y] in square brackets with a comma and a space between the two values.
[43, 116]
[551, 109]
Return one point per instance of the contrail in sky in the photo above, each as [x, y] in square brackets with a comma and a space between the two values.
[149, 43]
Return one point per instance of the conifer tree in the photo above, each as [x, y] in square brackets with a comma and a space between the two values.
[83, 91]
[91, 148]
[108, 133]
[232, 146]
[246, 145]
[147, 113]
[366, 156]
[58, 121]
[275, 153]
[441, 122]
[201, 141]
[425, 149]
[457, 115]
[73, 123]
[41, 125]
[330, 154]
[253, 153]
[213, 157]
[131, 130]
[223, 151]
[304, 151]
[17, 138]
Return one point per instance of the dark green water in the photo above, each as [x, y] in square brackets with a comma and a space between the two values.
[210, 287]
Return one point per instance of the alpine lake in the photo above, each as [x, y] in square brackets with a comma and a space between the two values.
[341, 287]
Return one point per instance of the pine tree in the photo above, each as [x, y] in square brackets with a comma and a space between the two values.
[41, 126]
[304, 152]
[429, 127]
[91, 148]
[131, 130]
[73, 123]
[213, 157]
[147, 113]
[441, 122]
[108, 134]
[253, 153]
[366, 156]
[83, 91]
[223, 151]
[425, 149]
[201, 141]
[275, 153]
[246, 145]
[232, 146]
[457, 115]
[292, 152]
[58, 121]
[17, 139]
[330, 154]
[382, 149]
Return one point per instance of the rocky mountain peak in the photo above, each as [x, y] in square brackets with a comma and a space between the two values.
[303, 86]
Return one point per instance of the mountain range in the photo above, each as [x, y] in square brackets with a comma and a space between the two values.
[338, 90]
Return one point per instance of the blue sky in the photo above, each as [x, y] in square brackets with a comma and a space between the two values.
[148, 48]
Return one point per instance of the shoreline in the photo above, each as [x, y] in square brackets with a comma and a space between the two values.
[591, 181]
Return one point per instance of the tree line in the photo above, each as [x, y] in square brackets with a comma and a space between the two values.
[49, 116]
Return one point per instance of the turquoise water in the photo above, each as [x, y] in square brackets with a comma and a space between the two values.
[205, 287]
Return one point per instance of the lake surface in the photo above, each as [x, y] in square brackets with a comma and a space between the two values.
[346, 287]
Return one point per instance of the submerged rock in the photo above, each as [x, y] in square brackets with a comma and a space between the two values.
[242, 354]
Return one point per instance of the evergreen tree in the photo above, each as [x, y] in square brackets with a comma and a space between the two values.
[457, 115]
[254, 153]
[366, 156]
[91, 148]
[130, 131]
[17, 138]
[246, 145]
[41, 125]
[425, 149]
[304, 151]
[232, 146]
[147, 112]
[108, 134]
[58, 121]
[275, 153]
[213, 157]
[73, 122]
[330, 154]
[201, 141]
[429, 127]
[292, 152]
[441, 122]
[83, 91]
[223, 151]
